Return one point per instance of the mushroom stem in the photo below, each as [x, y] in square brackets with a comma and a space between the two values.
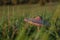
[38, 29]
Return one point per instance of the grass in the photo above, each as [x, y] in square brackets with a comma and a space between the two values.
[13, 27]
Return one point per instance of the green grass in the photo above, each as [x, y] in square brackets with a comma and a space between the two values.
[12, 22]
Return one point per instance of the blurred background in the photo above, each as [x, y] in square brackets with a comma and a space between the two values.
[14, 2]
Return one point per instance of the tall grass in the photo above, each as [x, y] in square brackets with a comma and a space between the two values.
[17, 29]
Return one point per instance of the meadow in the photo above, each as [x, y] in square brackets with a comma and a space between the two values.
[13, 27]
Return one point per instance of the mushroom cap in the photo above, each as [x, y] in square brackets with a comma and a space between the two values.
[34, 21]
[37, 21]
